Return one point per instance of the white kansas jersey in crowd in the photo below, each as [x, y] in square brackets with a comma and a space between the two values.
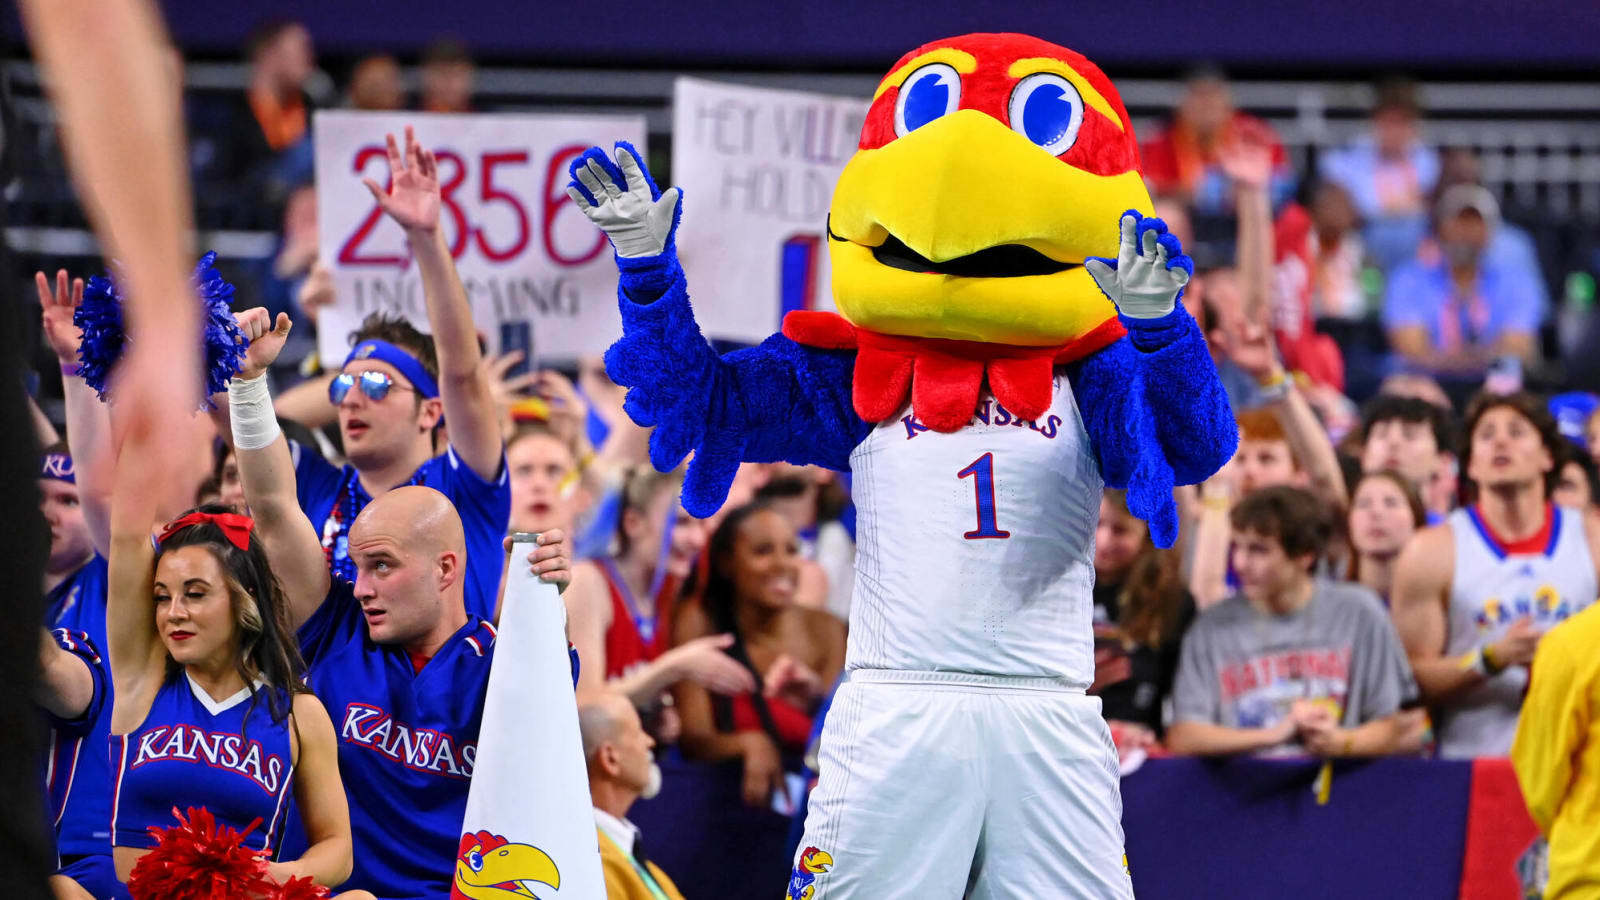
[975, 549]
[1491, 588]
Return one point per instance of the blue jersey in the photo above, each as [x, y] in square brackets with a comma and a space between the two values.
[228, 756]
[408, 740]
[332, 498]
[78, 770]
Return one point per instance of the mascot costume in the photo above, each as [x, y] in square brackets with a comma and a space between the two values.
[1008, 342]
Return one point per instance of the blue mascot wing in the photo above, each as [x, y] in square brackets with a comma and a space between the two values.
[777, 401]
[1156, 415]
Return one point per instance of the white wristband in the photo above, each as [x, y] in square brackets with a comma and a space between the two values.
[255, 424]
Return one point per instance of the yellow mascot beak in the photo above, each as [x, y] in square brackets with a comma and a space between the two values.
[965, 230]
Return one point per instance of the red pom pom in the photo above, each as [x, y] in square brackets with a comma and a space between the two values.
[200, 860]
[299, 889]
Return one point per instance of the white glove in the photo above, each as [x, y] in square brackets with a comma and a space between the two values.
[637, 223]
[1144, 281]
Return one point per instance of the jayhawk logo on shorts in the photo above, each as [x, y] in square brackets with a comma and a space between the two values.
[802, 882]
[491, 868]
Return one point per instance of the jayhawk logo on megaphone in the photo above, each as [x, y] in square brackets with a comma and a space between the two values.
[489, 867]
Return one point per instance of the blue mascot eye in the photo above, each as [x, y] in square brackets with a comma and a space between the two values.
[474, 861]
[1047, 110]
[930, 92]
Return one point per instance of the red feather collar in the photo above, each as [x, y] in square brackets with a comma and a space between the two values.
[943, 378]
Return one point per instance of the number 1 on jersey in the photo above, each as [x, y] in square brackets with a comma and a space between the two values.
[982, 472]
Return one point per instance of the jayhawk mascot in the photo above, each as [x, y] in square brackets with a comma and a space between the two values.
[1008, 342]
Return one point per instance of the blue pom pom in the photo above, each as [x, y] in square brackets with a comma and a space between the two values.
[99, 317]
[224, 342]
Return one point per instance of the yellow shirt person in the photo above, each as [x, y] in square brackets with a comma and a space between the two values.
[1556, 753]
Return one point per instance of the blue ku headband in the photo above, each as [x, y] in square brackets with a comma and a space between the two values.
[57, 466]
[408, 365]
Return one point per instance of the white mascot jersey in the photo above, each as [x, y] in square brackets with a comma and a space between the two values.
[975, 549]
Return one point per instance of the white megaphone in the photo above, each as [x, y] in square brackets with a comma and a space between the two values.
[529, 827]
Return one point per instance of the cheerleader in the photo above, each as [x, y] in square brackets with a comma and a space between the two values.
[209, 707]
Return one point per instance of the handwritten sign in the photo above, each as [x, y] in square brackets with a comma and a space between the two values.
[757, 167]
[534, 268]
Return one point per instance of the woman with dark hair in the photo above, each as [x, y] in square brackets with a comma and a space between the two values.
[794, 654]
[1141, 610]
[209, 705]
[1385, 511]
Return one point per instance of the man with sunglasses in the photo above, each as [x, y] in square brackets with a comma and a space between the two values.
[392, 392]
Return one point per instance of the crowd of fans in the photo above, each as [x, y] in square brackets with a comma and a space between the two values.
[1339, 589]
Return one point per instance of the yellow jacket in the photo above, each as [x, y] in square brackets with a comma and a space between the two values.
[1557, 753]
[623, 881]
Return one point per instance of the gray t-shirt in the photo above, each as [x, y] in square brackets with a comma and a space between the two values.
[1243, 669]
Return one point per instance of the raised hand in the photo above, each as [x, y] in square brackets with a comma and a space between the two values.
[266, 340]
[622, 200]
[1247, 159]
[413, 195]
[1149, 272]
[568, 412]
[56, 310]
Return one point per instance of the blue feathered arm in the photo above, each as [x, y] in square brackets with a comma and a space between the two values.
[99, 318]
[1194, 423]
[1156, 415]
[778, 401]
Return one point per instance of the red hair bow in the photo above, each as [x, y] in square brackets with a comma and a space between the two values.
[235, 527]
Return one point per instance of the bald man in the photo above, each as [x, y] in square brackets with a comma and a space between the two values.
[621, 770]
[400, 664]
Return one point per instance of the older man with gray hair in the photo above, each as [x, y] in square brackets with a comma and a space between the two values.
[621, 770]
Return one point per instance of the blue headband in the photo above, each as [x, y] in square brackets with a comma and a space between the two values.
[408, 365]
[57, 466]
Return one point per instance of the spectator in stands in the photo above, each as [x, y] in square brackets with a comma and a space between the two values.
[1452, 310]
[1385, 512]
[621, 606]
[1473, 596]
[375, 84]
[1290, 664]
[391, 393]
[1577, 478]
[794, 655]
[448, 78]
[1280, 443]
[260, 140]
[1183, 159]
[1141, 611]
[811, 499]
[1338, 255]
[1556, 754]
[544, 479]
[621, 770]
[1389, 174]
[1511, 246]
[1414, 438]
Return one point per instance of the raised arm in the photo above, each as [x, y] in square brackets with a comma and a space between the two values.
[1251, 347]
[413, 201]
[778, 401]
[266, 469]
[88, 421]
[138, 658]
[1176, 379]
